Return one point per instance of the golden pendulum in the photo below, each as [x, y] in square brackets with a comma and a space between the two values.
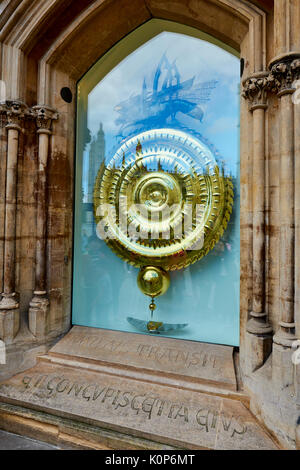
[152, 307]
[153, 281]
[152, 325]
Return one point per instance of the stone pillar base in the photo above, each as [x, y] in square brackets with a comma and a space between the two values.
[9, 324]
[285, 336]
[283, 368]
[258, 324]
[258, 348]
[39, 316]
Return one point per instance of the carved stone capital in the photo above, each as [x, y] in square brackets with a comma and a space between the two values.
[15, 112]
[44, 116]
[295, 66]
[285, 72]
[256, 89]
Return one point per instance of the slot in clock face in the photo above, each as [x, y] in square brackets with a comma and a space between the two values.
[156, 237]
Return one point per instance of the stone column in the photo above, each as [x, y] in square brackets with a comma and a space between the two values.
[39, 305]
[258, 329]
[9, 305]
[286, 70]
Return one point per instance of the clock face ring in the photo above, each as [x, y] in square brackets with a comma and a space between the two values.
[161, 200]
[156, 191]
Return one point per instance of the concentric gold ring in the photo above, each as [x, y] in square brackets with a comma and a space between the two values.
[164, 205]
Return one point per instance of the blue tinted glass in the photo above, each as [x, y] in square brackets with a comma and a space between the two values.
[187, 88]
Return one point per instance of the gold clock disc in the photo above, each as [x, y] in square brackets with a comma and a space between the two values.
[162, 200]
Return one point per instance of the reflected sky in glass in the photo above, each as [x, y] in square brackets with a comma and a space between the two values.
[194, 72]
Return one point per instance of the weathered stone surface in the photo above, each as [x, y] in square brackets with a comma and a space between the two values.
[261, 347]
[205, 362]
[38, 316]
[69, 434]
[298, 435]
[10, 441]
[9, 324]
[163, 414]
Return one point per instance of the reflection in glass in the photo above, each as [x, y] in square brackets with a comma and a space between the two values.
[181, 83]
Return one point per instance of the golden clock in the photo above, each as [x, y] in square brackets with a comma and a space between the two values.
[161, 203]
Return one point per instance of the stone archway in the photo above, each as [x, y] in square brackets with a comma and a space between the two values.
[64, 61]
[45, 48]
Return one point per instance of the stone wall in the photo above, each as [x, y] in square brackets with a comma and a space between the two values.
[45, 46]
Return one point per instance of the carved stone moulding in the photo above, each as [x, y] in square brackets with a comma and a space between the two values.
[255, 90]
[44, 116]
[285, 70]
[15, 111]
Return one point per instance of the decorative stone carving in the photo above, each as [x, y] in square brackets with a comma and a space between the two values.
[258, 86]
[16, 111]
[295, 66]
[256, 89]
[44, 117]
[284, 76]
[280, 80]
[285, 72]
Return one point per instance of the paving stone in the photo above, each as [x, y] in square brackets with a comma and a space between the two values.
[9, 441]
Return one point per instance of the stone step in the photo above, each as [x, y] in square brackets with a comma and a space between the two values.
[68, 434]
[161, 414]
[140, 391]
[157, 358]
[144, 375]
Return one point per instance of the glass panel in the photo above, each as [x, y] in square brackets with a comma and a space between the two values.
[160, 126]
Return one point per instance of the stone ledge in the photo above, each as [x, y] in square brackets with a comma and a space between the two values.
[143, 410]
[182, 361]
[69, 434]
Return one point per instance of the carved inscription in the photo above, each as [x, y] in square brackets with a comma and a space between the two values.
[175, 356]
[103, 343]
[147, 406]
[159, 355]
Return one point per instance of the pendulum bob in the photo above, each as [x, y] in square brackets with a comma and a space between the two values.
[154, 282]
